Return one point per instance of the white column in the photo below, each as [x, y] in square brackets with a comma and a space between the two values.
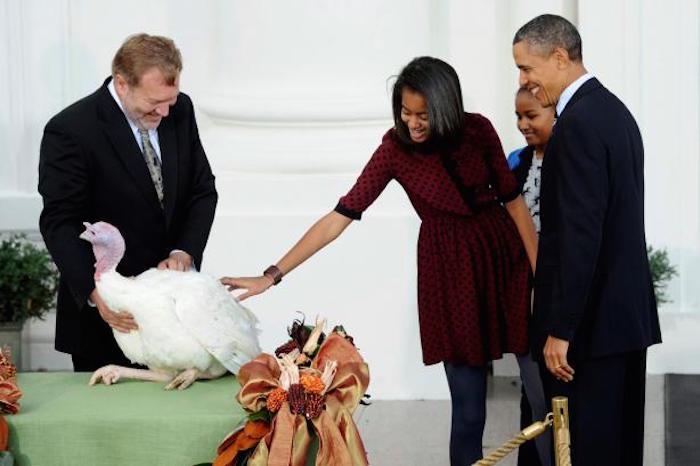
[315, 74]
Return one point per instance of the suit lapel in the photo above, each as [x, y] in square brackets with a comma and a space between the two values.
[587, 87]
[119, 134]
[169, 156]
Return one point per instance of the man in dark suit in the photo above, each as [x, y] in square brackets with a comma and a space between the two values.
[594, 311]
[128, 154]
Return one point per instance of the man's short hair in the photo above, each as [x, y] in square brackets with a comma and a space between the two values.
[546, 32]
[141, 52]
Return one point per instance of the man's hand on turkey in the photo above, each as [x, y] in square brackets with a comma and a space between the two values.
[120, 321]
[178, 260]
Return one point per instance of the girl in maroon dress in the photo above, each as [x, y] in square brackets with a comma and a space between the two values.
[473, 271]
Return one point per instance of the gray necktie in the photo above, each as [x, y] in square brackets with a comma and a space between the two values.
[149, 155]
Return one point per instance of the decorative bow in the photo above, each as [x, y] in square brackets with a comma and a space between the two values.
[288, 443]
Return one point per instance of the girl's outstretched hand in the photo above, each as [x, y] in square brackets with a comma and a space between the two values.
[252, 285]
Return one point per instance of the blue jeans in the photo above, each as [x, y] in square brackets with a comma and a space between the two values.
[468, 392]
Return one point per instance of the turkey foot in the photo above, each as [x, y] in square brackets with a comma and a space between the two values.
[111, 374]
[187, 378]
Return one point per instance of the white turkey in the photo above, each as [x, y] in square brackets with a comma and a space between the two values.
[189, 326]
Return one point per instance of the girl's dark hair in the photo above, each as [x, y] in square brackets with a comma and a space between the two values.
[438, 83]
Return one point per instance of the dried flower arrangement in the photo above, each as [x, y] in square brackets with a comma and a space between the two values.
[300, 402]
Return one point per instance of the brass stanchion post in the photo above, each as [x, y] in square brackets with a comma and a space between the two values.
[562, 437]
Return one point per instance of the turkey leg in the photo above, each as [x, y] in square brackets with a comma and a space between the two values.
[111, 374]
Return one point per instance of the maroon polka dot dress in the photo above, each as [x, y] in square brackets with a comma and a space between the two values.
[473, 272]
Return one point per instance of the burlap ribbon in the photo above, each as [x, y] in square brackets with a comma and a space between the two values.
[289, 440]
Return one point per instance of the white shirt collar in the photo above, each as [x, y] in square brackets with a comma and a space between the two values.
[115, 96]
[570, 91]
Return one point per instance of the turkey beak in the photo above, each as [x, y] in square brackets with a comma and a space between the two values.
[87, 234]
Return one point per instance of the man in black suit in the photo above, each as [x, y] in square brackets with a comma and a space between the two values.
[594, 310]
[128, 154]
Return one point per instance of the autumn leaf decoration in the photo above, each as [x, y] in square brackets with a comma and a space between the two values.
[9, 392]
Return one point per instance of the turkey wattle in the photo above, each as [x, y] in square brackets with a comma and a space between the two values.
[190, 326]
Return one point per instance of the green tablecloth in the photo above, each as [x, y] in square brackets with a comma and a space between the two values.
[63, 421]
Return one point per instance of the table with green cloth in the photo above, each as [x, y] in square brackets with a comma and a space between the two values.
[63, 421]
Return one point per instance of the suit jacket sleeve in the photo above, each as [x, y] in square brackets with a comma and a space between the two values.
[581, 199]
[202, 198]
[63, 185]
